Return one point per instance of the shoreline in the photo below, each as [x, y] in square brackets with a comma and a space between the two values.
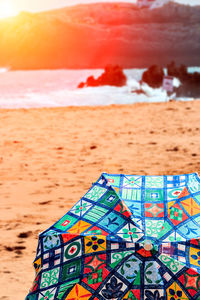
[94, 107]
[43, 89]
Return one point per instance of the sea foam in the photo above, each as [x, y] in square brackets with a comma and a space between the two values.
[46, 88]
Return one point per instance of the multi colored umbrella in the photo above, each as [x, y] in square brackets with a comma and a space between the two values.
[129, 237]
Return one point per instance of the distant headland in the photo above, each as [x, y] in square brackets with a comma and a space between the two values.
[95, 35]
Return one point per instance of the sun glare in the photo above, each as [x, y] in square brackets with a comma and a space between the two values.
[7, 9]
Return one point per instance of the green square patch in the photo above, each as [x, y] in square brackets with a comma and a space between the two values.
[31, 297]
[198, 197]
[176, 214]
[155, 195]
[109, 199]
[95, 193]
[64, 287]
[166, 228]
[154, 181]
[95, 277]
[49, 278]
[71, 270]
[65, 222]
[154, 228]
[95, 214]
[131, 194]
[113, 180]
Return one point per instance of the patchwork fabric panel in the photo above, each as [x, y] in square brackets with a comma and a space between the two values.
[129, 237]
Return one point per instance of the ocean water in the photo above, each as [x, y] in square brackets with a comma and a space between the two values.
[54, 88]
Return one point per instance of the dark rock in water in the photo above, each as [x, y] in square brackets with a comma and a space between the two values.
[112, 75]
[81, 85]
[179, 72]
[91, 81]
[153, 76]
[190, 82]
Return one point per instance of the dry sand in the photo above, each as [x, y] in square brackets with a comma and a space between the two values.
[50, 157]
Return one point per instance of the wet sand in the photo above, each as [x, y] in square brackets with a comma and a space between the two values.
[50, 157]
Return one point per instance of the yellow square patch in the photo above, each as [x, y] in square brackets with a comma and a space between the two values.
[175, 292]
[95, 243]
[37, 265]
[191, 206]
[195, 256]
[79, 227]
[78, 292]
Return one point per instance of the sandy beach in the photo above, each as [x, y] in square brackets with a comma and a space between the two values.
[50, 157]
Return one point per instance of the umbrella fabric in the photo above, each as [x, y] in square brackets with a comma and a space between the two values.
[130, 237]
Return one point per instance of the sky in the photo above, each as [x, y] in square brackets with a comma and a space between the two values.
[13, 7]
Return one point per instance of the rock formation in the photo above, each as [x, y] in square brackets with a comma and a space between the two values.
[112, 75]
